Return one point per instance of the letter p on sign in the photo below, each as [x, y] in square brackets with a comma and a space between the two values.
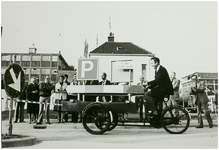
[87, 69]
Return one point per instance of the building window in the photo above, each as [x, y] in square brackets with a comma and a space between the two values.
[6, 57]
[45, 64]
[18, 62]
[36, 58]
[5, 63]
[35, 64]
[45, 71]
[25, 64]
[210, 81]
[53, 77]
[35, 75]
[54, 64]
[143, 69]
[26, 58]
[54, 58]
[35, 71]
[26, 77]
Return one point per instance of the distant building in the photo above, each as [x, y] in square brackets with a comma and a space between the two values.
[121, 60]
[211, 81]
[38, 64]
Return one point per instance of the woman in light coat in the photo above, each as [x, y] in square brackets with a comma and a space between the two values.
[61, 94]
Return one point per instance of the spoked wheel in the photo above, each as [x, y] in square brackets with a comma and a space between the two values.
[114, 121]
[175, 120]
[96, 119]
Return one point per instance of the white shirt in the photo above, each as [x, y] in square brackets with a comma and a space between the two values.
[158, 67]
[61, 91]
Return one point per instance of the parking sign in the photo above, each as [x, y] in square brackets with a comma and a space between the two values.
[88, 69]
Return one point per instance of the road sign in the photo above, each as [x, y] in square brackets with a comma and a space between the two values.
[87, 69]
[14, 80]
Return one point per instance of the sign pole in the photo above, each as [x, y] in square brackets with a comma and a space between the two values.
[129, 76]
[10, 117]
[11, 108]
[14, 83]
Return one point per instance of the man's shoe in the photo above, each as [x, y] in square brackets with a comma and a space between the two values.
[199, 126]
[15, 121]
[39, 123]
[211, 126]
[22, 121]
[48, 123]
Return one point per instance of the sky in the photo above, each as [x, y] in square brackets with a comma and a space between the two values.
[183, 34]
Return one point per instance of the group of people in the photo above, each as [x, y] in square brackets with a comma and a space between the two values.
[163, 85]
[38, 99]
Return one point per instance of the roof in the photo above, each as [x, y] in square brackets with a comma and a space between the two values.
[119, 48]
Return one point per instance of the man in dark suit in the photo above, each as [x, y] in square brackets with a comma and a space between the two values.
[160, 86]
[91, 98]
[104, 82]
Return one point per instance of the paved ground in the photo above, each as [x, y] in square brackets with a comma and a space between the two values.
[73, 135]
[25, 128]
[68, 134]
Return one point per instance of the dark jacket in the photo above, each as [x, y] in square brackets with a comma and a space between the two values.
[45, 89]
[66, 81]
[92, 82]
[107, 97]
[161, 85]
[107, 82]
[199, 90]
[32, 96]
[23, 95]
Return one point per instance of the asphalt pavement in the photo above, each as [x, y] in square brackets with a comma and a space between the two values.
[57, 130]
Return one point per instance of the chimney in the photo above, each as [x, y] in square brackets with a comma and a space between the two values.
[111, 37]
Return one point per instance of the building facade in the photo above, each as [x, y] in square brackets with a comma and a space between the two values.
[37, 64]
[123, 61]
